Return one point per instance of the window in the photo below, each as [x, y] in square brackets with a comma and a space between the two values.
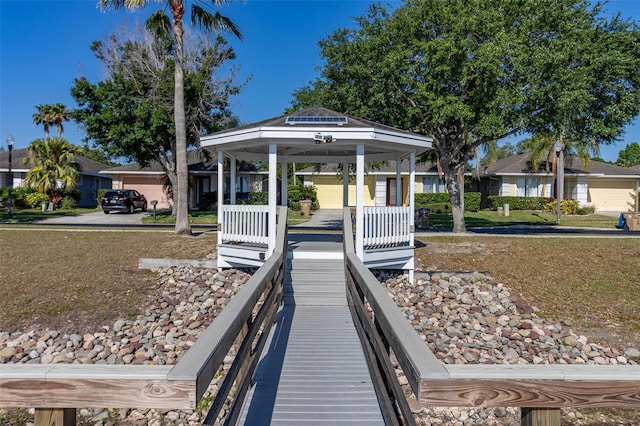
[433, 184]
[528, 187]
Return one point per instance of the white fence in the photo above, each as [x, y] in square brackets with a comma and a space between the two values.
[244, 224]
[386, 227]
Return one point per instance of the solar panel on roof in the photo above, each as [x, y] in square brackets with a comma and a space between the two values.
[304, 119]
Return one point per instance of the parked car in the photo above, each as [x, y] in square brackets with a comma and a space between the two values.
[123, 200]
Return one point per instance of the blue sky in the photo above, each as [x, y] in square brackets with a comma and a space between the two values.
[44, 46]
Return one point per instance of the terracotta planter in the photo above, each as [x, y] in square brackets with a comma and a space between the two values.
[305, 207]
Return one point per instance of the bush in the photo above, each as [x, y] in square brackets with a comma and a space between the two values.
[36, 199]
[100, 193]
[295, 193]
[68, 203]
[471, 200]
[439, 207]
[586, 210]
[566, 206]
[517, 203]
[208, 200]
[253, 198]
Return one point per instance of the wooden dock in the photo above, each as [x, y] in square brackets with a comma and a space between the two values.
[314, 371]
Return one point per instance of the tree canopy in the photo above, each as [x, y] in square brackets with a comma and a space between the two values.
[469, 73]
[131, 112]
[52, 166]
[170, 29]
[629, 156]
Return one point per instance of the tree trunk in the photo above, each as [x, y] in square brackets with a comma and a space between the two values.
[456, 196]
[180, 194]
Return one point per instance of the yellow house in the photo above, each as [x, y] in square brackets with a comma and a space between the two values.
[606, 187]
[380, 183]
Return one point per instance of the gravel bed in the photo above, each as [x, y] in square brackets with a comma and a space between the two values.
[469, 318]
[463, 317]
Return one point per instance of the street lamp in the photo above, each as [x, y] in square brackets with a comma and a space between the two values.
[10, 141]
[559, 177]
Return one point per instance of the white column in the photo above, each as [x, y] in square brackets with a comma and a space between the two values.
[273, 195]
[232, 181]
[360, 201]
[398, 182]
[220, 193]
[412, 210]
[283, 183]
[345, 184]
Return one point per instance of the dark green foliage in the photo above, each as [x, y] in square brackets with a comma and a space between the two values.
[438, 208]
[469, 73]
[585, 210]
[208, 201]
[517, 203]
[295, 193]
[131, 113]
[254, 198]
[471, 200]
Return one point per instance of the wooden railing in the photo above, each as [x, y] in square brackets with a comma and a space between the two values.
[386, 227]
[56, 390]
[541, 390]
[244, 224]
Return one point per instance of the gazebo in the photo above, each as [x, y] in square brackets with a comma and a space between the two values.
[384, 234]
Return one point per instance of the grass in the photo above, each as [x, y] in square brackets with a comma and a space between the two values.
[78, 279]
[487, 218]
[589, 283]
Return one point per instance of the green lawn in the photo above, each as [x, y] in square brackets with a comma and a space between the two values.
[485, 218]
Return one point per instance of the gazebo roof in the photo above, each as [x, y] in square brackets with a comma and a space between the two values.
[316, 135]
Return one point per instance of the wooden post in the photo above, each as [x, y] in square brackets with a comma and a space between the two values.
[55, 417]
[540, 417]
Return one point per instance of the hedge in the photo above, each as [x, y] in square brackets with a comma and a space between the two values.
[517, 203]
[436, 201]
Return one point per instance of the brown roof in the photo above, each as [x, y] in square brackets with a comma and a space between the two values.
[87, 165]
[198, 160]
[520, 164]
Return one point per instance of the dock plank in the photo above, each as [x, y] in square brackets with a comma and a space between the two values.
[314, 372]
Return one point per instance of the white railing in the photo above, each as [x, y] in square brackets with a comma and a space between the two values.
[386, 227]
[244, 224]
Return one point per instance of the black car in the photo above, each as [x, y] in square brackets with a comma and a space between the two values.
[123, 200]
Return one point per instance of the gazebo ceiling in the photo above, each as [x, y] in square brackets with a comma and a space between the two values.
[316, 135]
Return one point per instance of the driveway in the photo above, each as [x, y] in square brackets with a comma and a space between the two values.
[98, 218]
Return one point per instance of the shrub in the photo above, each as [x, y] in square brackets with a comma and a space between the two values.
[68, 202]
[100, 193]
[439, 207]
[566, 206]
[253, 198]
[586, 210]
[471, 200]
[208, 200]
[36, 199]
[295, 193]
[517, 203]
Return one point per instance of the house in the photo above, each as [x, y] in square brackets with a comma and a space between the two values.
[606, 187]
[89, 183]
[202, 179]
[379, 181]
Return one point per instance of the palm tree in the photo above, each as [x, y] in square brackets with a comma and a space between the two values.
[44, 117]
[52, 166]
[59, 113]
[160, 23]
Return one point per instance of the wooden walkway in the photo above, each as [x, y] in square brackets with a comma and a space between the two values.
[314, 371]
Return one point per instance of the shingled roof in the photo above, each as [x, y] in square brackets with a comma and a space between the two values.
[521, 164]
[198, 160]
[87, 165]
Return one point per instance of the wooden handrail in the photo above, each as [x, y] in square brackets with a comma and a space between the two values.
[541, 390]
[64, 387]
